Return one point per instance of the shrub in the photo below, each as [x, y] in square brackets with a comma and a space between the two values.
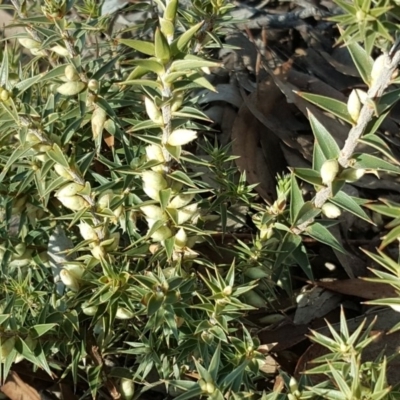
[104, 207]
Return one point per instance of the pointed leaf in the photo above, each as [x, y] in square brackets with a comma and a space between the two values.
[322, 234]
[326, 142]
[335, 107]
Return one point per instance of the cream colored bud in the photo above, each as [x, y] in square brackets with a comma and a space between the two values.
[93, 85]
[74, 203]
[352, 174]
[87, 232]
[293, 385]
[177, 101]
[354, 105]
[61, 171]
[185, 213]
[69, 280]
[377, 69]
[161, 234]
[154, 194]
[4, 95]
[153, 111]
[154, 180]
[154, 212]
[124, 313]
[180, 238]
[180, 137]
[181, 200]
[105, 199]
[203, 385]
[330, 210]
[210, 388]
[127, 389]
[98, 252]
[70, 73]
[329, 171]
[154, 152]
[76, 270]
[99, 117]
[227, 290]
[60, 50]
[71, 88]
[7, 346]
[29, 43]
[118, 211]
[70, 189]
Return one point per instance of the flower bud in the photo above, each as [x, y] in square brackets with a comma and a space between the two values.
[98, 119]
[352, 174]
[227, 290]
[329, 171]
[124, 313]
[98, 252]
[177, 100]
[69, 280]
[354, 105]
[60, 50]
[210, 388]
[153, 111]
[70, 73]
[71, 88]
[161, 234]
[185, 213]
[154, 212]
[127, 389]
[76, 270]
[87, 232]
[29, 43]
[181, 200]
[105, 199]
[61, 171]
[180, 137]
[330, 210]
[203, 385]
[93, 85]
[154, 152]
[154, 180]
[74, 203]
[4, 95]
[70, 189]
[377, 69]
[180, 238]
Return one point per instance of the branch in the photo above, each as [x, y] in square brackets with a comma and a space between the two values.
[375, 92]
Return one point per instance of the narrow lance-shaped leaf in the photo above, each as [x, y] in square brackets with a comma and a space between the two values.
[321, 234]
[335, 107]
[326, 142]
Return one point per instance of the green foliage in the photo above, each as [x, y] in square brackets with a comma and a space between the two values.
[104, 209]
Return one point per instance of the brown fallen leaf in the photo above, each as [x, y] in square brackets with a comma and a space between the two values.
[16, 389]
[359, 288]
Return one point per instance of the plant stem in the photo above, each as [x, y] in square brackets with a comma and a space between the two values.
[366, 115]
